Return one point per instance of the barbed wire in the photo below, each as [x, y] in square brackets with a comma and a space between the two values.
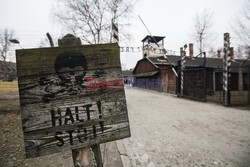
[36, 36]
[140, 49]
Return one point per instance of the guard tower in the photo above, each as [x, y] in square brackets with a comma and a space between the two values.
[150, 48]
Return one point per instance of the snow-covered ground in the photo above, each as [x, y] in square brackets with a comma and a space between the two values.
[170, 131]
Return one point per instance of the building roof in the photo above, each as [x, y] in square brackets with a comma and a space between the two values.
[7, 65]
[7, 70]
[146, 74]
[162, 61]
[126, 73]
[157, 38]
[196, 62]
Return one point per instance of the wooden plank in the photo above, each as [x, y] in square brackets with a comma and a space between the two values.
[71, 97]
[35, 89]
[42, 61]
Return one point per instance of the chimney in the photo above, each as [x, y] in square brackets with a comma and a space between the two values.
[191, 50]
[219, 53]
[232, 53]
[181, 51]
[248, 52]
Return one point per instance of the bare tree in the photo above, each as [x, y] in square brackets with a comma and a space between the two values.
[91, 19]
[202, 29]
[239, 52]
[5, 36]
[241, 27]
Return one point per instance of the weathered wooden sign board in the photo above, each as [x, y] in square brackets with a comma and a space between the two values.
[71, 97]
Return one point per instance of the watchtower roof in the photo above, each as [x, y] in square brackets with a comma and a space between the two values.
[150, 38]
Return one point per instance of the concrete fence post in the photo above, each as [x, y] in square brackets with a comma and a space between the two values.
[226, 70]
[115, 32]
[183, 63]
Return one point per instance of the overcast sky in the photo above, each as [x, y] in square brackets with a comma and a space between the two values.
[32, 19]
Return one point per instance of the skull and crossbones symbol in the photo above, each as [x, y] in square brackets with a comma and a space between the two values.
[71, 69]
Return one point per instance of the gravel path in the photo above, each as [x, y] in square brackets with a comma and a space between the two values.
[170, 131]
[166, 131]
[12, 146]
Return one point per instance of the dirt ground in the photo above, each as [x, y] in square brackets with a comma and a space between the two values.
[12, 152]
[166, 131]
[12, 146]
[170, 131]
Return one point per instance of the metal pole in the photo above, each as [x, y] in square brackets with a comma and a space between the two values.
[50, 39]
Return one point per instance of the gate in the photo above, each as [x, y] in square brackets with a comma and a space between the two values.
[194, 81]
[200, 83]
[240, 84]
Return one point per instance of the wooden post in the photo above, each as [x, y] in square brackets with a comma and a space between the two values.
[89, 156]
[98, 156]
